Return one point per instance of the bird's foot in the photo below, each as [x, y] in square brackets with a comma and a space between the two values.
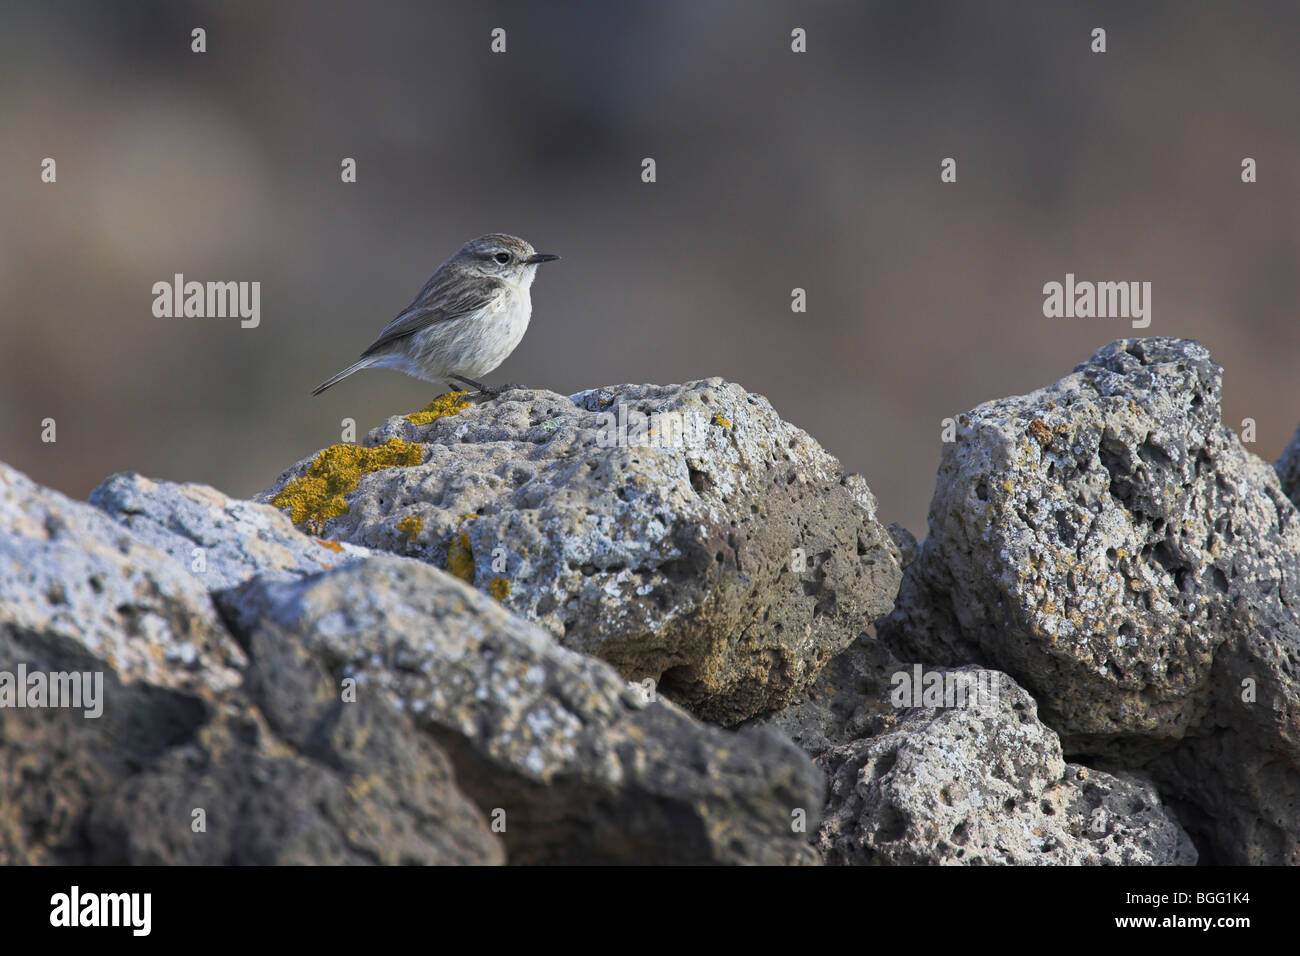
[490, 391]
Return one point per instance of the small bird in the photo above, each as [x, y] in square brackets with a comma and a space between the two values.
[466, 320]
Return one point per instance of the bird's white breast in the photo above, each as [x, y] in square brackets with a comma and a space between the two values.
[473, 345]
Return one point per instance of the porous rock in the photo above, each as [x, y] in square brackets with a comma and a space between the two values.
[287, 773]
[193, 750]
[168, 777]
[1109, 543]
[986, 784]
[579, 765]
[1288, 469]
[223, 541]
[727, 556]
[69, 573]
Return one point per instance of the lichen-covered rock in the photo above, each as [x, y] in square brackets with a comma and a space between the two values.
[1288, 469]
[68, 572]
[173, 717]
[725, 556]
[1110, 544]
[987, 784]
[222, 541]
[578, 765]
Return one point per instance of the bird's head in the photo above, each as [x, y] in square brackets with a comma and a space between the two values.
[501, 256]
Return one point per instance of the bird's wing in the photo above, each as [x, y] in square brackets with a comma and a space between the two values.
[438, 302]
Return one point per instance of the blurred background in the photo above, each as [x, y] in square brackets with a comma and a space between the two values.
[775, 170]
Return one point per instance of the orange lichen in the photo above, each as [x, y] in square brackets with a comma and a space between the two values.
[440, 407]
[411, 527]
[317, 495]
[460, 555]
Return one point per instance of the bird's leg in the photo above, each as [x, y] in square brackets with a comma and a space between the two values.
[491, 391]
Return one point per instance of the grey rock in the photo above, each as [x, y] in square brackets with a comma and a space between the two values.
[584, 767]
[287, 774]
[1111, 545]
[672, 561]
[1288, 469]
[908, 549]
[860, 716]
[987, 784]
[68, 572]
[188, 721]
[222, 541]
[330, 783]
[849, 701]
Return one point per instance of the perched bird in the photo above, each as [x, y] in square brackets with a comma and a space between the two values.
[466, 320]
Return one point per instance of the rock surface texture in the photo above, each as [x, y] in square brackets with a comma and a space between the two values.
[1110, 544]
[988, 785]
[222, 541]
[585, 767]
[658, 528]
[635, 625]
[298, 702]
[1288, 469]
[963, 779]
[204, 751]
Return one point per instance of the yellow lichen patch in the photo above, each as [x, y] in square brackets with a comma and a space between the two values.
[332, 545]
[411, 527]
[460, 555]
[440, 407]
[318, 495]
[718, 419]
[499, 588]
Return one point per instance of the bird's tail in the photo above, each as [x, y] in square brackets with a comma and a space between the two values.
[335, 379]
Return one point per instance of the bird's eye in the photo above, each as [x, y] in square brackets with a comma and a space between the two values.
[502, 257]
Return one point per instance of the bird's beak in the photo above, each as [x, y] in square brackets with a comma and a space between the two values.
[539, 257]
